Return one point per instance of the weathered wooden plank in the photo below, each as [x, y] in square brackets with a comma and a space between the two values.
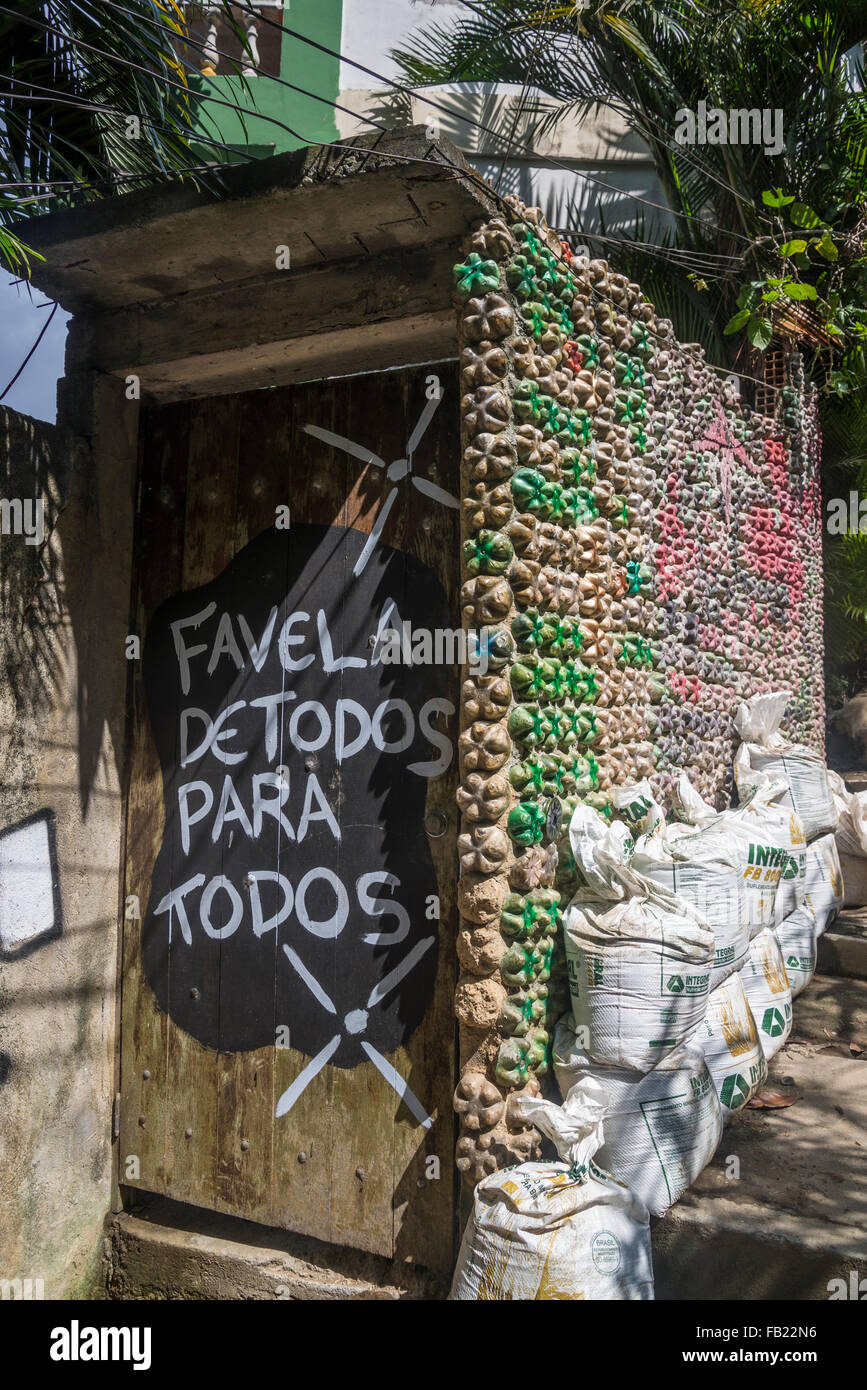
[208, 547]
[361, 1099]
[304, 1137]
[245, 1080]
[145, 1096]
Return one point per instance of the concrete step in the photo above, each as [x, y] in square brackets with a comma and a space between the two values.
[167, 1250]
[843, 947]
[781, 1211]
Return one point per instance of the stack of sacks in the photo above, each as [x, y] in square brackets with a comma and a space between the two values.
[706, 868]
[765, 839]
[563, 1230]
[727, 866]
[640, 961]
[851, 840]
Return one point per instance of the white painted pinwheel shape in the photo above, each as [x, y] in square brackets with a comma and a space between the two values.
[355, 1022]
[396, 472]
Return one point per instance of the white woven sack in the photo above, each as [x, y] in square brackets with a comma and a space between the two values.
[660, 1128]
[712, 888]
[639, 959]
[851, 831]
[767, 841]
[636, 804]
[766, 754]
[823, 887]
[565, 1231]
[797, 937]
[687, 806]
[639, 977]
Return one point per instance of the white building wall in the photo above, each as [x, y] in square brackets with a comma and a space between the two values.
[565, 173]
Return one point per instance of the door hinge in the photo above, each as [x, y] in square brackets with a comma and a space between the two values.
[115, 1116]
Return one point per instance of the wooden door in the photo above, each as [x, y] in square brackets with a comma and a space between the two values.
[287, 1044]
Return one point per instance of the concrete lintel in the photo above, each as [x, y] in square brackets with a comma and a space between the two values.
[325, 203]
[283, 327]
[366, 348]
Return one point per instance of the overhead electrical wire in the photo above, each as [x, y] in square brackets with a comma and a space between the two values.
[468, 120]
[324, 48]
[297, 134]
[42, 332]
[80, 104]
[149, 72]
[368, 120]
[662, 252]
[192, 42]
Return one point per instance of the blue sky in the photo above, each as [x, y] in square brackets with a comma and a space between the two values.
[21, 318]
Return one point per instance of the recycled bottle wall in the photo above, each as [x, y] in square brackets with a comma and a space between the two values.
[644, 551]
[736, 555]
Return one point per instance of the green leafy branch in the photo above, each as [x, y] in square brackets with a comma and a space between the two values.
[814, 261]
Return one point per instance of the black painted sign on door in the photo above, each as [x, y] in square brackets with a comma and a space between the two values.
[297, 923]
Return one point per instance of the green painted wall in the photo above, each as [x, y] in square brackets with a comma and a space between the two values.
[278, 106]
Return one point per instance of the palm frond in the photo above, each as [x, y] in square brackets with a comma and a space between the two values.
[92, 95]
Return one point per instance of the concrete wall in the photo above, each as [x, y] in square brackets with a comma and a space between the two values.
[63, 619]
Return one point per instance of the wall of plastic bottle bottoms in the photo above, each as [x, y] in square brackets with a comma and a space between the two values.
[645, 552]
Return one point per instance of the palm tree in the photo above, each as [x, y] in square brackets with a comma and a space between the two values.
[93, 98]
